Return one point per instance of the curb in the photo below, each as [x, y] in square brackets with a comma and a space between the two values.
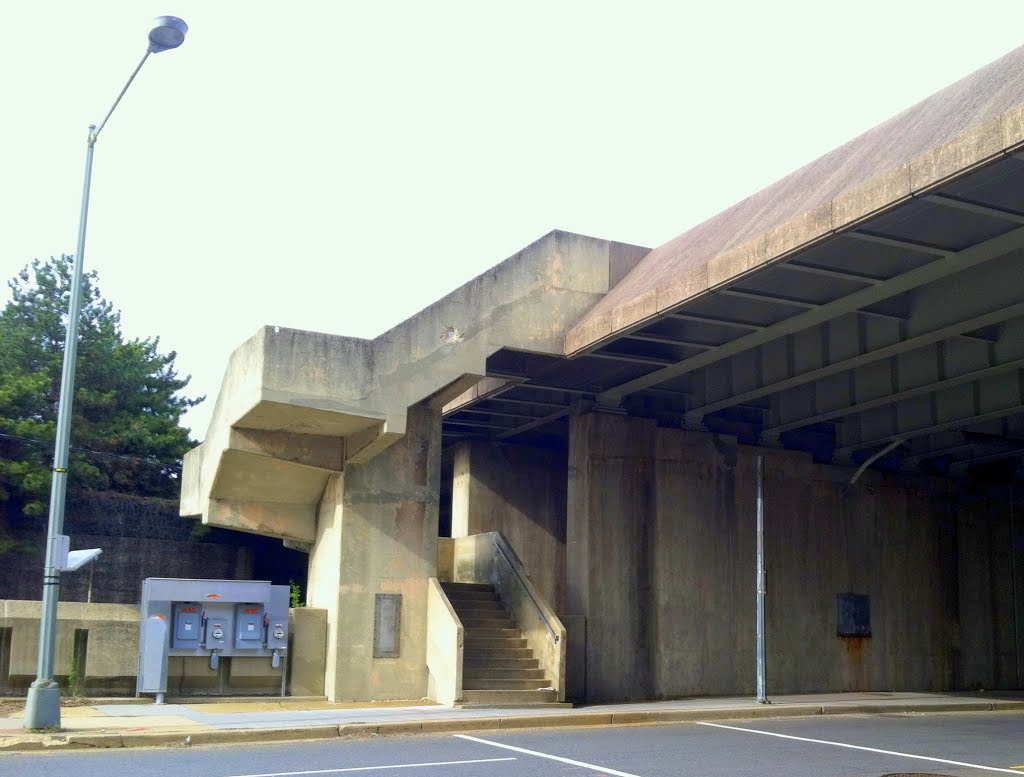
[40, 742]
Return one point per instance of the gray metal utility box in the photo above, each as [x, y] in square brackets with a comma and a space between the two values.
[209, 619]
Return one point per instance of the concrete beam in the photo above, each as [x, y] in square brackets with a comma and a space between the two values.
[860, 407]
[953, 425]
[997, 316]
[949, 264]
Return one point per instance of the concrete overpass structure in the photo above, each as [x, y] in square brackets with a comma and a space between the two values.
[859, 324]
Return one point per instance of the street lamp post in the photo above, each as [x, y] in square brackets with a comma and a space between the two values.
[42, 708]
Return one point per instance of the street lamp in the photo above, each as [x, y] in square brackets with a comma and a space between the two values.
[42, 708]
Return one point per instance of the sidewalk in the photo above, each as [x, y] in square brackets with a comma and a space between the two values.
[120, 723]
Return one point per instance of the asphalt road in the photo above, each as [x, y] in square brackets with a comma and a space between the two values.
[835, 746]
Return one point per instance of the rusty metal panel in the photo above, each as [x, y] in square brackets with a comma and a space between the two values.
[854, 615]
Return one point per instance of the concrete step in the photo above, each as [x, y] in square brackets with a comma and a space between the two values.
[482, 612]
[486, 623]
[503, 684]
[493, 673]
[473, 664]
[467, 587]
[494, 654]
[489, 619]
[471, 596]
[481, 632]
[490, 643]
[508, 698]
[477, 605]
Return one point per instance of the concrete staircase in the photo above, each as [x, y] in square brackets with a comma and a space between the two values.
[498, 669]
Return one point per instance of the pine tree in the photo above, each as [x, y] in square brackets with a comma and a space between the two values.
[125, 432]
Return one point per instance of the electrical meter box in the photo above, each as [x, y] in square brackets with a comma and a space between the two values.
[187, 625]
[209, 619]
[250, 630]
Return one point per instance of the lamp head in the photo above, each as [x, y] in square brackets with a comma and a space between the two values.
[166, 32]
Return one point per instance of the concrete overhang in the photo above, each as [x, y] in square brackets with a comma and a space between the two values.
[870, 299]
[296, 406]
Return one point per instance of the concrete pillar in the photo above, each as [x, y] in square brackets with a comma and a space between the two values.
[519, 491]
[610, 512]
[377, 534]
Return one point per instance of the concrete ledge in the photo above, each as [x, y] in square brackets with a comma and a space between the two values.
[767, 711]
[358, 729]
[905, 707]
[85, 740]
[93, 740]
[696, 715]
[262, 734]
[1009, 706]
[20, 744]
[156, 739]
[547, 721]
[460, 724]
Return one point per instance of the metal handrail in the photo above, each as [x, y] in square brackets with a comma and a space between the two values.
[536, 605]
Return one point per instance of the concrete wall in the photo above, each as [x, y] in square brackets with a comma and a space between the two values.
[111, 657]
[377, 533]
[519, 491]
[112, 647]
[661, 572]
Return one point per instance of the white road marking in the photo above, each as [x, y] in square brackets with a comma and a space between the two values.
[585, 765]
[392, 766]
[861, 747]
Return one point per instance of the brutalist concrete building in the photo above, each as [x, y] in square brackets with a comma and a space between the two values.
[545, 485]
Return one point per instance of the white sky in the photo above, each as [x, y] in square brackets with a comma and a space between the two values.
[337, 166]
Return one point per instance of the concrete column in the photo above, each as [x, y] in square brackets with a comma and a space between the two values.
[610, 512]
[324, 578]
[377, 533]
[519, 491]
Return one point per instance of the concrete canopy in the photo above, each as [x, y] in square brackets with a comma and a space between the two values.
[871, 298]
[869, 308]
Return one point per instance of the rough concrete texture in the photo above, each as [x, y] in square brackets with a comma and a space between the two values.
[968, 124]
[112, 648]
[518, 491]
[472, 559]
[265, 459]
[324, 578]
[307, 651]
[660, 569]
[445, 640]
[380, 537]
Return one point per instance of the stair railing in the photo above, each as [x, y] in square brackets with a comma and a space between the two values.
[516, 566]
[543, 631]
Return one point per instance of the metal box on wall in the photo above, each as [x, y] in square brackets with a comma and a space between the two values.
[853, 615]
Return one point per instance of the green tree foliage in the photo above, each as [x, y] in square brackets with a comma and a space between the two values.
[127, 402]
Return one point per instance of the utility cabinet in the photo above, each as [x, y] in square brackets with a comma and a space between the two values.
[210, 619]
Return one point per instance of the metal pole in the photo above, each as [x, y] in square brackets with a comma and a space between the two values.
[42, 708]
[761, 652]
